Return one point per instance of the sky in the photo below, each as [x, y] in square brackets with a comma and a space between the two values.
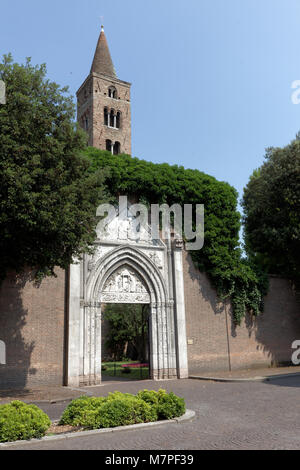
[211, 79]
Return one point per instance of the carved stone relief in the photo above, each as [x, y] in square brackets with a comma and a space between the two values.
[156, 259]
[96, 255]
[125, 286]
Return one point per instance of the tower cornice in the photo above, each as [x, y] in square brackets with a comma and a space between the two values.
[103, 77]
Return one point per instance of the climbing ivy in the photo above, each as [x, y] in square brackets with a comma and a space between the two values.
[221, 257]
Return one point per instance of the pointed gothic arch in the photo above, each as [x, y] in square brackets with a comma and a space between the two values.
[138, 261]
[161, 321]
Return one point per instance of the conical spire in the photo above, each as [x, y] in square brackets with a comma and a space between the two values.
[102, 62]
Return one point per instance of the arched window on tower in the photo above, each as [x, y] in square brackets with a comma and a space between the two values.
[112, 92]
[108, 145]
[105, 116]
[118, 123]
[117, 148]
[113, 119]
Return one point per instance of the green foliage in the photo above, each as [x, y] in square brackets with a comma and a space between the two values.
[121, 409]
[119, 395]
[127, 324]
[271, 205]
[221, 256]
[115, 369]
[19, 421]
[170, 406]
[48, 196]
[82, 410]
[125, 411]
[151, 396]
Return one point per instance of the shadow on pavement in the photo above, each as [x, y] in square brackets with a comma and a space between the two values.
[292, 381]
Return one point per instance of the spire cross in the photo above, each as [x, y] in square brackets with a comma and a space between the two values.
[102, 27]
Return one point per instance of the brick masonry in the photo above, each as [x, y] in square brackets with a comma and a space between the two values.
[32, 325]
[33, 322]
[214, 343]
[92, 98]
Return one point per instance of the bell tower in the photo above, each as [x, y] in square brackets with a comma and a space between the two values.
[103, 104]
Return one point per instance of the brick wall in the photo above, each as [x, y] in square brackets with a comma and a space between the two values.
[92, 98]
[32, 325]
[215, 342]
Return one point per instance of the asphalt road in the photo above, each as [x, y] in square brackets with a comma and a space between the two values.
[250, 415]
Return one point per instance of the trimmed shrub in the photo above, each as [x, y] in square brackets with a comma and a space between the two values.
[170, 406]
[149, 396]
[121, 409]
[81, 411]
[125, 411]
[119, 395]
[19, 421]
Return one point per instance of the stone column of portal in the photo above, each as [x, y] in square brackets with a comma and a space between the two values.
[170, 311]
[74, 327]
[92, 344]
[154, 360]
[92, 362]
[98, 352]
[172, 365]
[85, 378]
[164, 345]
[180, 322]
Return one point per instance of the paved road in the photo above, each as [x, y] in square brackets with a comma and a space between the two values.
[228, 416]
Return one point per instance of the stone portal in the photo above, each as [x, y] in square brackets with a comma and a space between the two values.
[125, 270]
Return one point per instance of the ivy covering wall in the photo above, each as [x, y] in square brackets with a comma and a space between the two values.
[221, 257]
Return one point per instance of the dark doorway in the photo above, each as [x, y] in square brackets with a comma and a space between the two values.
[125, 342]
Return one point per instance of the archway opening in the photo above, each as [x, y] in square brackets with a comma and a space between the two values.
[125, 341]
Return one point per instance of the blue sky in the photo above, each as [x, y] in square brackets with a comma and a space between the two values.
[211, 78]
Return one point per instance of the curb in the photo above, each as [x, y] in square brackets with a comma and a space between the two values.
[188, 416]
[229, 380]
[266, 378]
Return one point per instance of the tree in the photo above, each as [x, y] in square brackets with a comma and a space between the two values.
[48, 196]
[127, 326]
[271, 204]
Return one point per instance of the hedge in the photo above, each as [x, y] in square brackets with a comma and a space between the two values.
[19, 421]
[121, 409]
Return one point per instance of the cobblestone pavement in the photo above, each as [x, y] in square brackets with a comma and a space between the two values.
[228, 416]
[41, 394]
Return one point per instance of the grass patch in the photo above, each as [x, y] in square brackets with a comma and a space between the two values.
[115, 369]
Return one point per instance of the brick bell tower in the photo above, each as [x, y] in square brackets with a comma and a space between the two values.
[103, 104]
